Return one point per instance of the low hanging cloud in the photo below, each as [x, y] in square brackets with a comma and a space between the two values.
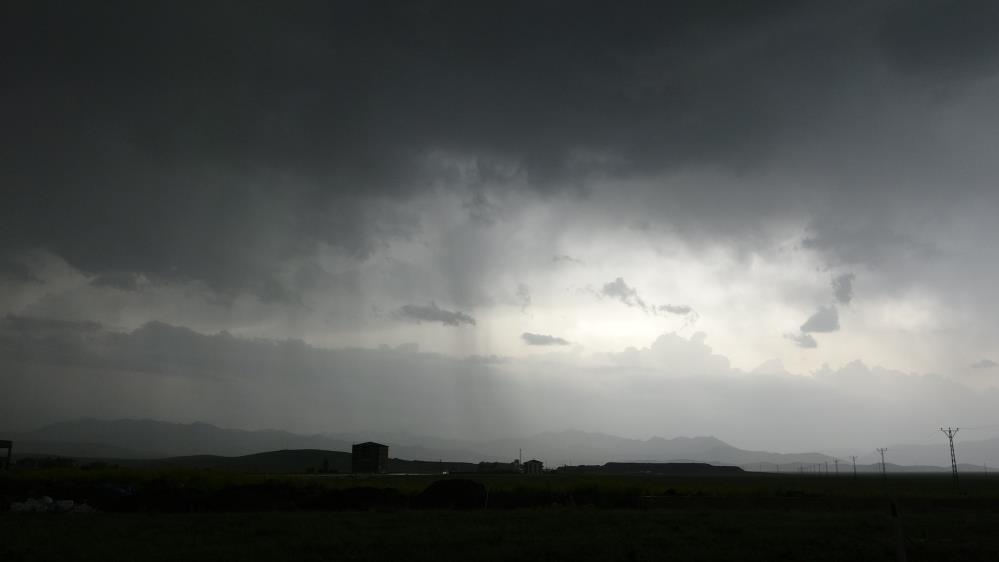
[843, 288]
[433, 313]
[984, 364]
[542, 339]
[825, 320]
[618, 289]
[680, 309]
[803, 340]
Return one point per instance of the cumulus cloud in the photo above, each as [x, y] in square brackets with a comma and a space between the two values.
[433, 313]
[984, 364]
[618, 289]
[675, 355]
[843, 288]
[803, 340]
[825, 319]
[542, 339]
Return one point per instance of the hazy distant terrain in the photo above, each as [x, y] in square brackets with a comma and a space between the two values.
[148, 439]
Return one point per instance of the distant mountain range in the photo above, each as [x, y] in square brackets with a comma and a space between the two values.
[148, 439]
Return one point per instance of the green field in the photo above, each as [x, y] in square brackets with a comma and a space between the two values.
[579, 517]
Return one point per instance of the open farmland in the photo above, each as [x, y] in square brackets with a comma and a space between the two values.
[216, 515]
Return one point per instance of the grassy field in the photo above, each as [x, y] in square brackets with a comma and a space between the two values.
[748, 517]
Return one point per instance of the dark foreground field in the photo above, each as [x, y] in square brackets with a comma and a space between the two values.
[552, 534]
[750, 517]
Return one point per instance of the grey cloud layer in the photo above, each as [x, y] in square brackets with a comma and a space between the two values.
[216, 142]
[61, 370]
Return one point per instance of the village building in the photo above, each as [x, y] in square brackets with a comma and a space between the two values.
[369, 458]
[534, 466]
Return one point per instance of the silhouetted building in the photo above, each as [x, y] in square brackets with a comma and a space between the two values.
[533, 466]
[500, 467]
[369, 458]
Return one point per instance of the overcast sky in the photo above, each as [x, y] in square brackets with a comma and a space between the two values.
[493, 219]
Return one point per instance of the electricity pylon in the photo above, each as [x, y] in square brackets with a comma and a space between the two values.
[854, 458]
[884, 470]
[836, 463]
[953, 459]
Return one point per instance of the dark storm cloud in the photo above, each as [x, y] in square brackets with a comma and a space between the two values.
[825, 319]
[802, 340]
[984, 364]
[843, 288]
[216, 141]
[122, 280]
[542, 339]
[619, 290]
[433, 313]
[16, 270]
[929, 37]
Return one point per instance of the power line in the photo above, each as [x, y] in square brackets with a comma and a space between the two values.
[950, 433]
[981, 427]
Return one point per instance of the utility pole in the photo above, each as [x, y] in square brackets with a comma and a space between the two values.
[854, 458]
[827, 468]
[884, 470]
[950, 433]
[836, 464]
